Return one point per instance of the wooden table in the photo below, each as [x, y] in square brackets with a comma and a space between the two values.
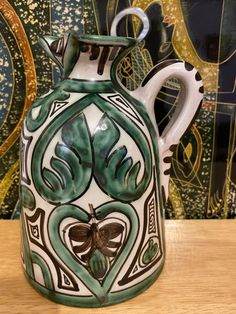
[199, 275]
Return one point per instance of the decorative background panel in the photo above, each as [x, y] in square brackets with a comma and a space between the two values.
[203, 33]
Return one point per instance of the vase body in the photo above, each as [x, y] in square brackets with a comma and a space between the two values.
[91, 188]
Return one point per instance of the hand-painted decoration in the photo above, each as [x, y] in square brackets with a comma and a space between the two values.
[95, 172]
[203, 175]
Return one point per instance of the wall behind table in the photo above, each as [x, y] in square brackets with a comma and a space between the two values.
[203, 179]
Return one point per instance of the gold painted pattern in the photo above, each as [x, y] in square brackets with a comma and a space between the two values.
[16, 25]
[142, 5]
[184, 48]
[176, 200]
[6, 183]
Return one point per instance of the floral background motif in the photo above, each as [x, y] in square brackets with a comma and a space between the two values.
[203, 178]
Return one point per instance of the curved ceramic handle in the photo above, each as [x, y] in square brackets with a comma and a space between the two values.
[133, 11]
[188, 102]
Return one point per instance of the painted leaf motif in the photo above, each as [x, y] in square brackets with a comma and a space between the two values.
[110, 270]
[150, 252]
[115, 172]
[27, 198]
[98, 264]
[71, 168]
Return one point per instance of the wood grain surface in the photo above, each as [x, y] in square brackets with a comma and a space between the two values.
[199, 274]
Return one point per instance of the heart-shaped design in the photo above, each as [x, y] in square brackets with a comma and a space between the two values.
[101, 292]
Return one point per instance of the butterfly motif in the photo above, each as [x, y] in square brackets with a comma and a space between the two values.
[97, 243]
[94, 237]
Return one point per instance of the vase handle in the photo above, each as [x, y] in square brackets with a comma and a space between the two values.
[188, 102]
[131, 11]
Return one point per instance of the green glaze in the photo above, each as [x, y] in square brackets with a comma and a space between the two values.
[98, 264]
[31, 257]
[69, 158]
[76, 177]
[64, 211]
[72, 165]
[37, 259]
[107, 40]
[26, 250]
[115, 174]
[150, 252]
[27, 198]
[113, 298]
[74, 47]
[62, 92]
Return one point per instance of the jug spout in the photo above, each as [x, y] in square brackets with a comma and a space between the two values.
[64, 51]
[187, 105]
[86, 57]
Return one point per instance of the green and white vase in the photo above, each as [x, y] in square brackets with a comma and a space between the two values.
[94, 174]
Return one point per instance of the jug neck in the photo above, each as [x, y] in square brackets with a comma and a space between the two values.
[96, 56]
[94, 63]
[86, 57]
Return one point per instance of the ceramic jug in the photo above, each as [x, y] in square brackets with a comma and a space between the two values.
[94, 172]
